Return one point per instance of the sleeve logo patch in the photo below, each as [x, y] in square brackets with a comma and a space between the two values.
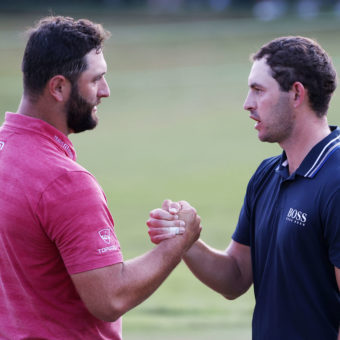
[108, 237]
[105, 235]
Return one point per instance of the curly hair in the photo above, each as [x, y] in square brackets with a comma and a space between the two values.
[58, 45]
[296, 58]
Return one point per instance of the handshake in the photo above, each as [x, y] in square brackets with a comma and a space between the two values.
[177, 220]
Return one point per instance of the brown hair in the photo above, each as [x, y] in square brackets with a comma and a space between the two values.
[301, 59]
[58, 45]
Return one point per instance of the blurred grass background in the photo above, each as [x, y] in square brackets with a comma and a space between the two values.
[174, 127]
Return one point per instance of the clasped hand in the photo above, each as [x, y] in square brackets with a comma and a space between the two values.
[174, 219]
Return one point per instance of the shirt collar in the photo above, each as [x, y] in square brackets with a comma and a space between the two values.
[316, 158]
[38, 126]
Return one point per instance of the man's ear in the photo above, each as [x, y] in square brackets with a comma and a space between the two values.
[298, 93]
[59, 88]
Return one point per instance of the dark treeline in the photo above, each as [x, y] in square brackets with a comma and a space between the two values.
[265, 9]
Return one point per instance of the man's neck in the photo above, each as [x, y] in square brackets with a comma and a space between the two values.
[45, 111]
[303, 139]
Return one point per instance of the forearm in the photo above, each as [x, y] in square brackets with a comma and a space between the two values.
[141, 276]
[218, 270]
[111, 291]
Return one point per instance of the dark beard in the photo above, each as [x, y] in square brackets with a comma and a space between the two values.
[79, 112]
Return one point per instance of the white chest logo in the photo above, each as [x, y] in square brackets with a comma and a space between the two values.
[296, 216]
[2, 144]
[105, 235]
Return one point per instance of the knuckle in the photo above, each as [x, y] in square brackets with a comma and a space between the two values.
[149, 222]
[166, 204]
[154, 213]
[193, 210]
[184, 204]
[154, 222]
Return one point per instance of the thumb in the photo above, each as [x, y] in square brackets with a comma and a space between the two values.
[172, 207]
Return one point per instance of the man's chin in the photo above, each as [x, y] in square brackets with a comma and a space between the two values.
[90, 125]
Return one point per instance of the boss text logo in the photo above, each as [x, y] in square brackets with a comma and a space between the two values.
[296, 216]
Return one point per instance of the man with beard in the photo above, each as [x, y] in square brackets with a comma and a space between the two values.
[62, 273]
[287, 240]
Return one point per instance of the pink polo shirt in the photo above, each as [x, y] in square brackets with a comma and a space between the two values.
[54, 221]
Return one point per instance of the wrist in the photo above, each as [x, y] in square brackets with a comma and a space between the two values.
[175, 247]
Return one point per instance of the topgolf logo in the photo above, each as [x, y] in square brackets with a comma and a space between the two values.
[296, 216]
[105, 235]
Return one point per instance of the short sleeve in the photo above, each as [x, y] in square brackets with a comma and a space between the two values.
[73, 213]
[242, 231]
[332, 228]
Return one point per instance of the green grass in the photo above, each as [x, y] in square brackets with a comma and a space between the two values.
[174, 127]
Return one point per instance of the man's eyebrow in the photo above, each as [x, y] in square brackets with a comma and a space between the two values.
[99, 75]
[254, 84]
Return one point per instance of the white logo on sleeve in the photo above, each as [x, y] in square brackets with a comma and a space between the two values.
[296, 216]
[107, 236]
[2, 144]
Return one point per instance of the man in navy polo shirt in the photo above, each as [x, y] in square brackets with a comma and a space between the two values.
[287, 240]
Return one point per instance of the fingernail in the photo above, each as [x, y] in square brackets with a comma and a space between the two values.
[182, 224]
[173, 210]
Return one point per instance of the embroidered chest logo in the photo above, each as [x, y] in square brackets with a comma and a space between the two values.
[296, 216]
[2, 144]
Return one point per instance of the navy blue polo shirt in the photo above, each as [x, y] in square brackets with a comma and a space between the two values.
[292, 224]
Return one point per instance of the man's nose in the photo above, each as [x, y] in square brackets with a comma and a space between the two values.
[249, 103]
[104, 90]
